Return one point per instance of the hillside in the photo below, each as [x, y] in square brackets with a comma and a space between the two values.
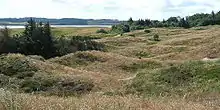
[180, 71]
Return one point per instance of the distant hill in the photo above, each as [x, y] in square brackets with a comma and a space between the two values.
[63, 21]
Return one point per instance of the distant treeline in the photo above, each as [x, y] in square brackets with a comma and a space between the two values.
[199, 19]
[63, 21]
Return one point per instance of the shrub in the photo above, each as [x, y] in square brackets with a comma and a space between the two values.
[30, 85]
[15, 65]
[137, 27]
[55, 86]
[67, 88]
[76, 43]
[147, 31]
[102, 31]
[120, 28]
[156, 37]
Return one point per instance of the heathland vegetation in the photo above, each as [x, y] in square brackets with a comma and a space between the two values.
[134, 65]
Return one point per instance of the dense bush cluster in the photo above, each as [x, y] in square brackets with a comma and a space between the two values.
[65, 45]
[38, 40]
[121, 28]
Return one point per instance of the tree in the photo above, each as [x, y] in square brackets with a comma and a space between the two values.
[173, 19]
[184, 23]
[140, 22]
[213, 18]
[48, 46]
[4, 36]
[130, 21]
[37, 39]
[148, 22]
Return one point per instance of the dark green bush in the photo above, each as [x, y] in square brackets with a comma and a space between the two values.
[132, 35]
[156, 37]
[103, 31]
[137, 27]
[30, 85]
[147, 31]
[76, 43]
[120, 28]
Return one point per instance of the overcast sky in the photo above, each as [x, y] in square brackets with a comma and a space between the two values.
[112, 9]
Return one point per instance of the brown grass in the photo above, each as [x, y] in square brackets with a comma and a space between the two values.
[11, 101]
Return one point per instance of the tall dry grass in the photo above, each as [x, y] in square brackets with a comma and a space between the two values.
[95, 101]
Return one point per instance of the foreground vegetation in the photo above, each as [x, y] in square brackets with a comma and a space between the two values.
[155, 68]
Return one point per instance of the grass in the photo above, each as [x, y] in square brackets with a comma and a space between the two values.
[83, 31]
[9, 101]
[133, 73]
[193, 78]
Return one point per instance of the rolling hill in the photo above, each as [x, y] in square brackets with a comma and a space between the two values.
[180, 71]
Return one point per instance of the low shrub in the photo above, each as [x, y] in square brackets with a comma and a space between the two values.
[156, 37]
[103, 31]
[137, 27]
[147, 31]
[132, 35]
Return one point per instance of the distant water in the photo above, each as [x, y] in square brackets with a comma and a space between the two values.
[102, 26]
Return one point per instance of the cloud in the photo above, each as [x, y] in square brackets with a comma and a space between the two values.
[115, 9]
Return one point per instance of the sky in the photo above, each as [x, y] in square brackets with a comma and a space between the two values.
[106, 9]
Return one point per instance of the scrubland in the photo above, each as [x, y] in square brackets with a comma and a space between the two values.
[134, 72]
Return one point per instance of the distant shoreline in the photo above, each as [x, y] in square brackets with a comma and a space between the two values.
[59, 26]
